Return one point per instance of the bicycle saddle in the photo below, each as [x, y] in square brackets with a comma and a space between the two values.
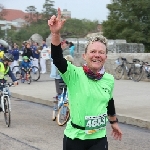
[124, 59]
[136, 60]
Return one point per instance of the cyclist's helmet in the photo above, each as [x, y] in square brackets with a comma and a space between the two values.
[8, 57]
[25, 58]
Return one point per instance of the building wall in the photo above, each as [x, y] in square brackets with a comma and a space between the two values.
[66, 14]
[110, 64]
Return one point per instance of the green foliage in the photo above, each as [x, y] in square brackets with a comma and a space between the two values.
[32, 13]
[72, 28]
[48, 9]
[129, 20]
[79, 28]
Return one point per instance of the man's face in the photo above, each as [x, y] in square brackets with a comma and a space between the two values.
[95, 56]
[9, 63]
[28, 45]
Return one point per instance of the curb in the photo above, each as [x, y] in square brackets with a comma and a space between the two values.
[134, 121]
[122, 119]
[32, 99]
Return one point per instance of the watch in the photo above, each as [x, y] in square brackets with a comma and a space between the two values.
[112, 122]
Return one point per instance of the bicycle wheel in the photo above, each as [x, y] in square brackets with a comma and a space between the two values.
[63, 115]
[138, 74]
[131, 72]
[17, 72]
[7, 114]
[54, 115]
[119, 71]
[55, 109]
[29, 80]
[35, 73]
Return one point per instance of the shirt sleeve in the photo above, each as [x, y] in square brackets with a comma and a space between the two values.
[111, 108]
[111, 105]
[58, 60]
[11, 75]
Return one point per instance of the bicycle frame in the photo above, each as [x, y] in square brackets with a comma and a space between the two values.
[27, 73]
[123, 63]
[146, 68]
[5, 94]
[63, 98]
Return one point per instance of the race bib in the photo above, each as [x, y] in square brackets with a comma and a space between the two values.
[45, 55]
[95, 123]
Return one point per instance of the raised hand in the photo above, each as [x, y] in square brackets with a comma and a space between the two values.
[56, 23]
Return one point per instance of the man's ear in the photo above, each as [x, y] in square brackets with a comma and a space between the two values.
[84, 56]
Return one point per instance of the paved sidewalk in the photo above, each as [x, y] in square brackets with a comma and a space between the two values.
[132, 99]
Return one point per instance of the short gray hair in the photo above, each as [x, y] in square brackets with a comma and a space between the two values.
[99, 38]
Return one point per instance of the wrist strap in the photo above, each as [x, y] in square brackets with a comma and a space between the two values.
[112, 122]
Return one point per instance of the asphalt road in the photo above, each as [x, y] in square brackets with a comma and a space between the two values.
[33, 129]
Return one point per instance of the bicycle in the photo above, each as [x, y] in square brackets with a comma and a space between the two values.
[62, 106]
[35, 73]
[5, 102]
[142, 68]
[123, 68]
[27, 77]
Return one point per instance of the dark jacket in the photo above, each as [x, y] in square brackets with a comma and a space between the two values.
[15, 53]
[27, 52]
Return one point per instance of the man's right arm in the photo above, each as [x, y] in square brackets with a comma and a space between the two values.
[58, 60]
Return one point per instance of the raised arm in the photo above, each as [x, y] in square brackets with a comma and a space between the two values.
[56, 24]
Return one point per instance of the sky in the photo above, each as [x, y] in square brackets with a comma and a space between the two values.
[80, 9]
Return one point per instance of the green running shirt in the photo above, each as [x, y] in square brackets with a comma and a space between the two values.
[86, 98]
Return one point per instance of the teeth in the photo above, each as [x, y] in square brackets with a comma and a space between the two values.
[96, 61]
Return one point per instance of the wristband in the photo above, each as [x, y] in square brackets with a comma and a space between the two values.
[112, 122]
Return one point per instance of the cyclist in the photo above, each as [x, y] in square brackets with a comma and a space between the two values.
[5, 69]
[90, 93]
[25, 65]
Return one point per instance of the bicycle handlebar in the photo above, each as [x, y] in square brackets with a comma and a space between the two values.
[26, 70]
[7, 84]
[133, 61]
[144, 62]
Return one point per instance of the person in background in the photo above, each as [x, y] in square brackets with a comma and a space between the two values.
[71, 48]
[55, 75]
[25, 65]
[54, 71]
[15, 53]
[44, 44]
[36, 54]
[27, 51]
[65, 47]
[5, 70]
[43, 61]
[10, 52]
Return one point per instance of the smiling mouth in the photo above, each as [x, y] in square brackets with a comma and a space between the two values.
[96, 61]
